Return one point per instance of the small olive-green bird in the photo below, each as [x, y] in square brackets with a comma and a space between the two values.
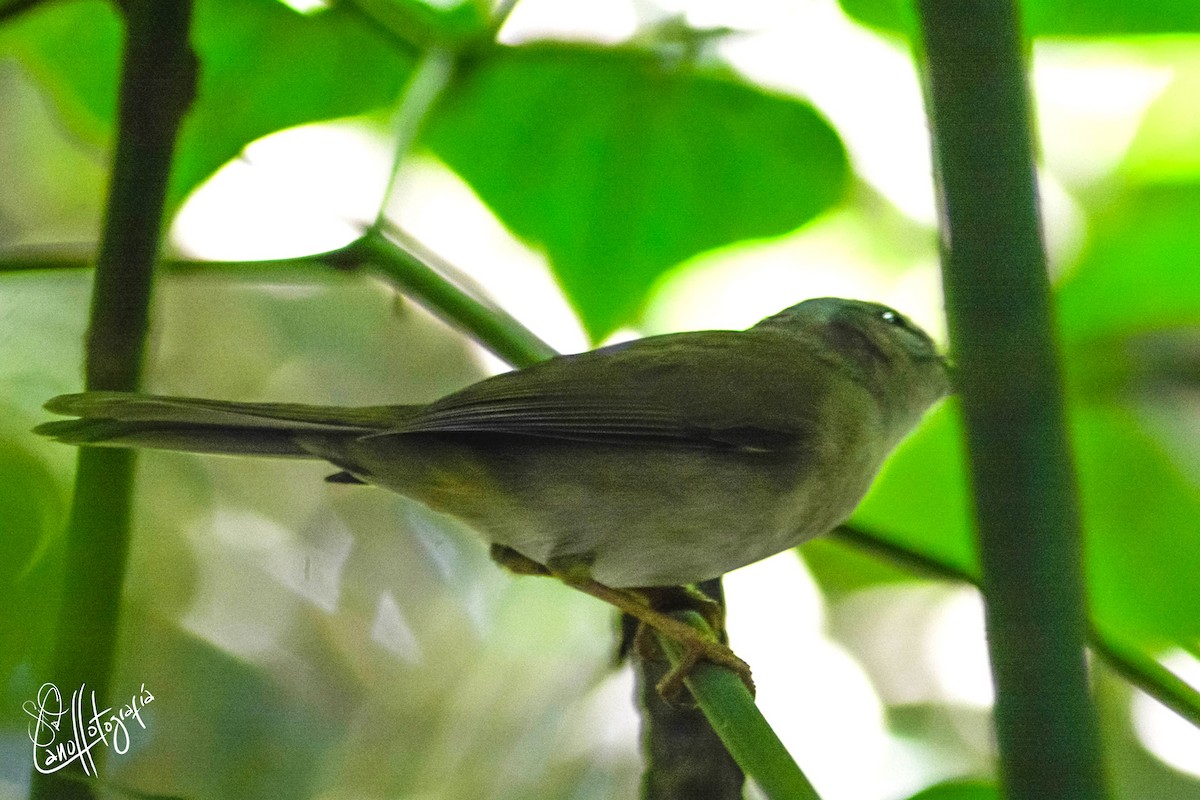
[659, 462]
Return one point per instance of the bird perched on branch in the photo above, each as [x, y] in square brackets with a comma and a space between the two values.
[626, 471]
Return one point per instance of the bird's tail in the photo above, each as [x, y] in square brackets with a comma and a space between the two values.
[194, 425]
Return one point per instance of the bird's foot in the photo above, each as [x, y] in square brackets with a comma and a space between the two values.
[701, 648]
[669, 599]
[652, 607]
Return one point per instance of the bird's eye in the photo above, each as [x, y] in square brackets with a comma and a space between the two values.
[892, 318]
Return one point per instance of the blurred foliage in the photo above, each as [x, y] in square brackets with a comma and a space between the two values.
[278, 615]
[1059, 17]
[649, 163]
[265, 68]
[959, 790]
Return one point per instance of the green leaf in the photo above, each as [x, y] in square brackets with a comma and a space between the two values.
[1057, 17]
[1167, 144]
[32, 507]
[621, 165]
[960, 790]
[266, 68]
[920, 500]
[263, 67]
[74, 51]
[1141, 270]
[1141, 518]
[1142, 515]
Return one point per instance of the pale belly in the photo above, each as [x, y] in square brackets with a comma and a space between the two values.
[638, 516]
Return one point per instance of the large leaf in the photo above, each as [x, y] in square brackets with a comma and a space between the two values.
[960, 790]
[1141, 515]
[263, 67]
[921, 498]
[621, 165]
[1141, 270]
[32, 507]
[1057, 17]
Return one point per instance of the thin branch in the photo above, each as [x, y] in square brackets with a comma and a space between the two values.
[422, 275]
[500, 15]
[157, 85]
[683, 756]
[751, 741]
[76, 257]
[425, 87]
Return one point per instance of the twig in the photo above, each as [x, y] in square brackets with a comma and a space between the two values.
[415, 272]
[429, 80]
[751, 741]
[157, 85]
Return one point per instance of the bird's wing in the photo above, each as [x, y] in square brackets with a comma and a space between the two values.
[705, 390]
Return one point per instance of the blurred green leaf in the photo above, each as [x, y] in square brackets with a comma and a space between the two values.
[430, 24]
[621, 165]
[32, 507]
[263, 68]
[73, 50]
[960, 790]
[1141, 269]
[1167, 145]
[1141, 517]
[842, 569]
[1057, 17]
[920, 500]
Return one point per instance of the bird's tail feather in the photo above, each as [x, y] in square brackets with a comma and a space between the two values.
[125, 419]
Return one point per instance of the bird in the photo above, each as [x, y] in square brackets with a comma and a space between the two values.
[631, 471]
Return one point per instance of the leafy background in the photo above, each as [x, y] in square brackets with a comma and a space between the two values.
[308, 640]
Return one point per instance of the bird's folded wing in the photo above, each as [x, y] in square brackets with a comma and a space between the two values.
[681, 390]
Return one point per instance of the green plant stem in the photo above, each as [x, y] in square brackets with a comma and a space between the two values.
[684, 757]
[730, 709]
[73, 257]
[428, 83]
[423, 276]
[503, 11]
[157, 84]
[1002, 336]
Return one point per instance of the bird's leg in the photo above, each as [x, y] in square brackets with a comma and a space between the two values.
[687, 598]
[640, 603]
